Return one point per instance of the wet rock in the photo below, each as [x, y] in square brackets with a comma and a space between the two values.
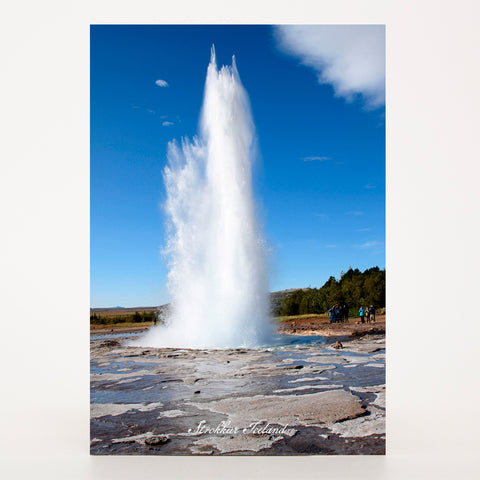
[239, 443]
[371, 331]
[363, 426]
[282, 387]
[109, 343]
[171, 414]
[140, 439]
[307, 409]
[169, 380]
[304, 387]
[98, 410]
[156, 441]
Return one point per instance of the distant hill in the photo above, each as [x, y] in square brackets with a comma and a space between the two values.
[102, 309]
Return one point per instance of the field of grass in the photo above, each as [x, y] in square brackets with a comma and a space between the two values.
[299, 317]
[129, 317]
[122, 316]
[120, 325]
[120, 312]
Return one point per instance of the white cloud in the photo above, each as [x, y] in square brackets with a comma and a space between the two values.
[372, 243]
[349, 57]
[161, 83]
[167, 124]
[315, 159]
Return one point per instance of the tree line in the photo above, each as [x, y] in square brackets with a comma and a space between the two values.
[353, 289]
[129, 318]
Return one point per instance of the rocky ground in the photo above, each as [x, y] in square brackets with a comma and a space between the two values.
[322, 326]
[302, 398]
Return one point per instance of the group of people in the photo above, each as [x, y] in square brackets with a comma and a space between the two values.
[338, 314]
[367, 314]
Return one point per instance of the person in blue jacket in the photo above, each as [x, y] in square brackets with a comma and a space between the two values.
[362, 314]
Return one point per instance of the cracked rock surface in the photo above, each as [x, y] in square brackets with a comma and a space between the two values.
[300, 398]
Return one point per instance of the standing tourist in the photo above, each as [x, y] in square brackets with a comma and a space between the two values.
[331, 314]
[362, 314]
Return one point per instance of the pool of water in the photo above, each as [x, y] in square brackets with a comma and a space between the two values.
[115, 336]
[279, 342]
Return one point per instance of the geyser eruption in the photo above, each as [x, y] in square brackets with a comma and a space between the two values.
[216, 277]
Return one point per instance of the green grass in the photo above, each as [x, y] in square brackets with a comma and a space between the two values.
[137, 317]
[122, 325]
[285, 318]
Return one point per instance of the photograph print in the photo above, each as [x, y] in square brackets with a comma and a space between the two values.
[237, 300]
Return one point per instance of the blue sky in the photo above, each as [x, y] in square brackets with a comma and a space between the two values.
[317, 98]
